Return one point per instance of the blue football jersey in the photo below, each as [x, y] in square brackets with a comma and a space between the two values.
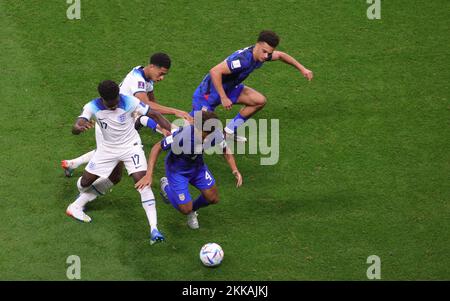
[186, 147]
[241, 64]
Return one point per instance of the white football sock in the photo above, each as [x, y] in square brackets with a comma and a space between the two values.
[84, 198]
[83, 159]
[228, 131]
[102, 185]
[148, 202]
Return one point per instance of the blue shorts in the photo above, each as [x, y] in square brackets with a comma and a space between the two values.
[201, 178]
[209, 102]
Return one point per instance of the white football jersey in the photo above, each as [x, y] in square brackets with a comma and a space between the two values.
[135, 82]
[117, 126]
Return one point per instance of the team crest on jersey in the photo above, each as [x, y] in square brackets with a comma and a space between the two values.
[235, 64]
[92, 165]
[122, 117]
[141, 85]
[181, 197]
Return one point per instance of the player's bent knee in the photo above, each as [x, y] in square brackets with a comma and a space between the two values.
[213, 199]
[262, 101]
[185, 210]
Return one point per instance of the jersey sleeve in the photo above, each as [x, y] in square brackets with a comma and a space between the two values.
[87, 112]
[134, 104]
[142, 108]
[237, 63]
[135, 82]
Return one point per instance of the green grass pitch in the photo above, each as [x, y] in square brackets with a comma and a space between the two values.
[364, 163]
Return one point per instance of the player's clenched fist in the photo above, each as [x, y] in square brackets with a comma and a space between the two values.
[226, 102]
[82, 125]
[308, 74]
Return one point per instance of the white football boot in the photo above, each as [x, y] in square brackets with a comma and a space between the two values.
[192, 220]
[77, 213]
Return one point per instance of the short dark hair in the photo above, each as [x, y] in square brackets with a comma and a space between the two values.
[269, 37]
[207, 115]
[160, 59]
[108, 90]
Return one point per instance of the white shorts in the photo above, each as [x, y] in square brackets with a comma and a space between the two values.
[106, 159]
[98, 135]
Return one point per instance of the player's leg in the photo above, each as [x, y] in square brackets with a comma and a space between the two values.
[70, 165]
[136, 165]
[99, 176]
[204, 181]
[175, 189]
[207, 197]
[252, 100]
[87, 194]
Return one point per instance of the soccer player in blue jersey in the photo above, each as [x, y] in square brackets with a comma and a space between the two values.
[185, 165]
[223, 84]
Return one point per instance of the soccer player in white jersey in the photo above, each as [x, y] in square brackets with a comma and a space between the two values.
[113, 113]
[139, 82]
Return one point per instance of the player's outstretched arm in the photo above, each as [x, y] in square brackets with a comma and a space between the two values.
[286, 58]
[149, 99]
[228, 155]
[152, 158]
[81, 125]
[216, 76]
[163, 122]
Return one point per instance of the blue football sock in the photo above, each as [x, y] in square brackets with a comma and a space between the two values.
[199, 203]
[235, 123]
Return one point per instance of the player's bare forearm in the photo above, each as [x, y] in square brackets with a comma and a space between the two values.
[216, 76]
[150, 100]
[229, 157]
[286, 58]
[151, 97]
[153, 157]
[148, 178]
[81, 125]
[163, 122]
[165, 110]
[232, 163]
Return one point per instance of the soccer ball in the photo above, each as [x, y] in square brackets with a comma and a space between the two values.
[211, 254]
